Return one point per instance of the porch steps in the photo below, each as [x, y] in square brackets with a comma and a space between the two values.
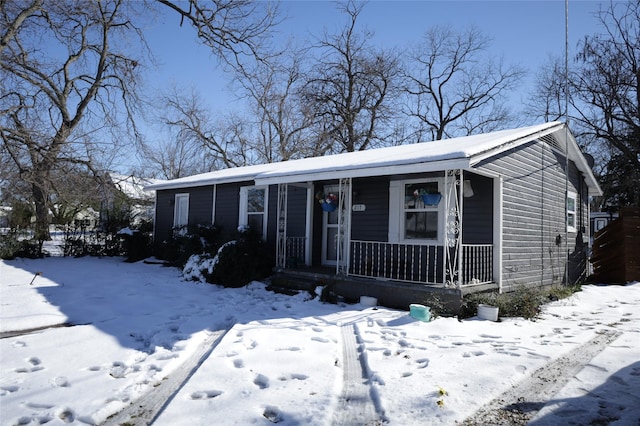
[391, 294]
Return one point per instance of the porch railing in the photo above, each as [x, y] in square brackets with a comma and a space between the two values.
[477, 263]
[418, 263]
[404, 262]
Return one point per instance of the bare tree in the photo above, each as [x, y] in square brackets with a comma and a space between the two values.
[282, 120]
[350, 88]
[235, 30]
[606, 92]
[455, 86]
[54, 95]
[547, 101]
[224, 141]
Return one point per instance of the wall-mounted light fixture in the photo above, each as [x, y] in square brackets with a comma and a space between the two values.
[467, 190]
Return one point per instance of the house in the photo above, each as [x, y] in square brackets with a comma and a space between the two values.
[490, 211]
[126, 195]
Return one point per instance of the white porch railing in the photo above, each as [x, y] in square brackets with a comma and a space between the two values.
[477, 263]
[404, 262]
[417, 263]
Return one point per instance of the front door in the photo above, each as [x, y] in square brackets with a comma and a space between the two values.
[330, 230]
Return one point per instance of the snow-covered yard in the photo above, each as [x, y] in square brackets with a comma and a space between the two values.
[184, 353]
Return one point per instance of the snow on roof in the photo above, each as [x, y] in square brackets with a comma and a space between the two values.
[132, 186]
[420, 157]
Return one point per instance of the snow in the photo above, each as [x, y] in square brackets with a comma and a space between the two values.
[269, 357]
[461, 149]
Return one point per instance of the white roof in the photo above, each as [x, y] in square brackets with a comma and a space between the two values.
[457, 153]
[132, 186]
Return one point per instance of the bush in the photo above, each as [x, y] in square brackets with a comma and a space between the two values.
[9, 245]
[13, 245]
[525, 302]
[241, 261]
[185, 241]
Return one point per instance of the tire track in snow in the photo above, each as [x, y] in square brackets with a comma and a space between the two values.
[357, 404]
[519, 405]
[146, 409]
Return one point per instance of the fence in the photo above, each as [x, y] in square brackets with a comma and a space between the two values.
[616, 249]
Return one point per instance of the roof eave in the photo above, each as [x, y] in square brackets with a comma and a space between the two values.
[421, 167]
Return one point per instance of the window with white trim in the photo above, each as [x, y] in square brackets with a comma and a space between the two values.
[572, 202]
[416, 210]
[253, 208]
[181, 210]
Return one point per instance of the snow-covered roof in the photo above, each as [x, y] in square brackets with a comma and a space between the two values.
[132, 186]
[457, 153]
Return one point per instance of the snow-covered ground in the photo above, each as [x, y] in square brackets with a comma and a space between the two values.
[265, 358]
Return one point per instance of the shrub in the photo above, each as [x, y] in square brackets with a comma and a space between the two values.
[525, 302]
[9, 245]
[185, 241]
[13, 244]
[240, 261]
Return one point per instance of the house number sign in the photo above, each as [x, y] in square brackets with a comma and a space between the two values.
[359, 207]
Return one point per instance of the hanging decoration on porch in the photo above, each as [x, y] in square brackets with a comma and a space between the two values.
[328, 202]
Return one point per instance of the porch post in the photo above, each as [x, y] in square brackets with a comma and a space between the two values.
[281, 233]
[308, 225]
[344, 226]
[453, 229]
[497, 231]
[460, 188]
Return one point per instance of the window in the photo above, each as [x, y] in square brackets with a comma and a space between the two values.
[415, 210]
[253, 208]
[571, 211]
[181, 210]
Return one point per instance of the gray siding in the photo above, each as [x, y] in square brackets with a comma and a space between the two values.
[296, 211]
[373, 223]
[227, 206]
[477, 211]
[534, 209]
[200, 208]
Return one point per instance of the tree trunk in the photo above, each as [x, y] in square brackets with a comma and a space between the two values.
[40, 198]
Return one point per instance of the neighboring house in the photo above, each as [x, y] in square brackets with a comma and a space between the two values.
[128, 192]
[510, 209]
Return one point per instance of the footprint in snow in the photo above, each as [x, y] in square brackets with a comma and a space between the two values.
[423, 362]
[60, 382]
[272, 414]
[66, 414]
[289, 348]
[490, 336]
[8, 389]
[293, 376]
[238, 363]
[472, 353]
[320, 339]
[207, 394]
[261, 381]
[317, 329]
[521, 369]
[19, 344]
[118, 370]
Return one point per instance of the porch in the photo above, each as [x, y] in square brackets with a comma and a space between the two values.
[409, 263]
[413, 246]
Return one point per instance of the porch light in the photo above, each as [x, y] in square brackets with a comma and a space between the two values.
[467, 190]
